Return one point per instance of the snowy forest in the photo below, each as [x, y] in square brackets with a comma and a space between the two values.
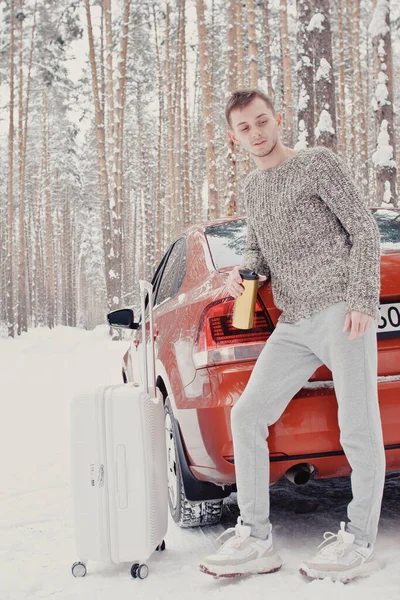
[113, 138]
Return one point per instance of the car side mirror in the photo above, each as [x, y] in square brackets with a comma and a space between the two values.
[122, 317]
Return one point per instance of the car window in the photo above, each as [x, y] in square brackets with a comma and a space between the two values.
[158, 273]
[389, 226]
[227, 242]
[155, 281]
[173, 274]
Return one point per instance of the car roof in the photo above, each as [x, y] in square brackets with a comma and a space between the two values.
[204, 224]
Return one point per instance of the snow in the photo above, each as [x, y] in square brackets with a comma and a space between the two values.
[316, 22]
[378, 24]
[40, 373]
[180, 298]
[387, 196]
[329, 383]
[324, 124]
[381, 49]
[381, 92]
[302, 136]
[383, 155]
[323, 71]
[303, 99]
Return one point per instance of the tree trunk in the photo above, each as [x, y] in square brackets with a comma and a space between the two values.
[22, 318]
[111, 265]
[9, 257]
[160, 205]
[341, 103]
[109, 86]
[305, 85]
[361, 164]
[185, 149]
[230, 199]
[287, 75]
[50, 292]
[251, 33]
[239, 45]
[325, 131]
[23, 312]
[114, 203]
[119, 141]
[178, 204]
[384, 158]
[170, 115]
[213, 207]
[270, 90]
[39, 296]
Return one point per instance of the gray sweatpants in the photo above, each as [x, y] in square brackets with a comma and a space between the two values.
[289, 358]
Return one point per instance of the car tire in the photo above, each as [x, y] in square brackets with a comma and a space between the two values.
[185, 513]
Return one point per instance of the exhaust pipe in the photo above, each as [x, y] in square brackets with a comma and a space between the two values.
[300, 474]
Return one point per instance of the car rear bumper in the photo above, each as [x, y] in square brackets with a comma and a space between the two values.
[307, 432]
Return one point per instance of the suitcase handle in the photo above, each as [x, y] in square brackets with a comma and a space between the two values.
[148, 370]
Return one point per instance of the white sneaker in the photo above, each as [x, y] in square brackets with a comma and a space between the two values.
[241, 554]
[341, 559]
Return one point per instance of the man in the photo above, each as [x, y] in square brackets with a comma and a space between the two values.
[309, 232]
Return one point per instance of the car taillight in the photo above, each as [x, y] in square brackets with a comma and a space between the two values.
[218, 341]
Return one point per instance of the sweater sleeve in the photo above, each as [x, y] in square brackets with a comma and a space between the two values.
[336, 188]
[253, 258]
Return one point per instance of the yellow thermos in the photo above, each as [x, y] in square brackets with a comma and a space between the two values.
[243, 312]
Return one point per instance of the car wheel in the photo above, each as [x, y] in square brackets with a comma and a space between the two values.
[185, 513]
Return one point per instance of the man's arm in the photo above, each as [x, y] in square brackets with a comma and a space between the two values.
[253, 257]
[336, 188]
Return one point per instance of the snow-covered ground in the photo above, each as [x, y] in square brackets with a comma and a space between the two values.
[39, 373]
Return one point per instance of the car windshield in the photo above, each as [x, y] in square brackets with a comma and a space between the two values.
[227, 240]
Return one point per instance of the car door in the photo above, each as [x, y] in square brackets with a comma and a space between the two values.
[134, 353]
[166, 283]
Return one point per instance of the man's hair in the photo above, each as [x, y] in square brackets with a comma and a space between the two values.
[242, 97]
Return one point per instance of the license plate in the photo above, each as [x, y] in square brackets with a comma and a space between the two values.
[389, 320]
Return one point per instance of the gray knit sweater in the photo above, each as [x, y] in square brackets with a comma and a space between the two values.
[309, 231]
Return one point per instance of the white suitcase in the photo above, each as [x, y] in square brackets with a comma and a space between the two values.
[119, 470]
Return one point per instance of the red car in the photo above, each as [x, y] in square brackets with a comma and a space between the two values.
[203, 365]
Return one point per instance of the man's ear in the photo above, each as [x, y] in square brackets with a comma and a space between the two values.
[278, 118]
[232, 137]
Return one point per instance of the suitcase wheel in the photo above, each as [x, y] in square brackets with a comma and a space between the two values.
[140, 571]
[161, 547]
[78, 569]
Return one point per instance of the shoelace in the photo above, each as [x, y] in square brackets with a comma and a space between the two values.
[337, 547]
[236, 540]
[225, 534]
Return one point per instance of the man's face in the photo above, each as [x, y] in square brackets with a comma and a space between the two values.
[255, 127]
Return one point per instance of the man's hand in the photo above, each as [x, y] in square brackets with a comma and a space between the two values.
[234, 285]
[359, 323]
